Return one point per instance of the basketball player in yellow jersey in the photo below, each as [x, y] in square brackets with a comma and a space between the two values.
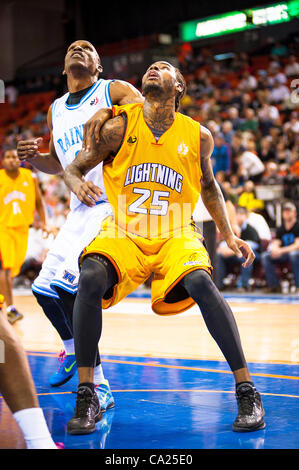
[19, 198]
[157, 162]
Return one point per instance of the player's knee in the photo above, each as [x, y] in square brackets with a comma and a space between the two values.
[93, 279]
[197, 282]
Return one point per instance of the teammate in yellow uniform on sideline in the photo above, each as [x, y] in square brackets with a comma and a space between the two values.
[156, 164]
[19, 197]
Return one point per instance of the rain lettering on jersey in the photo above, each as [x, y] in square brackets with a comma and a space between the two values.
[72, 136]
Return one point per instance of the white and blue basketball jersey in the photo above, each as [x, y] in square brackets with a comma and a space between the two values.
[68, 122]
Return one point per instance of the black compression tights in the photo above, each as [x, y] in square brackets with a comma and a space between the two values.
[217, 315]
[96, 277]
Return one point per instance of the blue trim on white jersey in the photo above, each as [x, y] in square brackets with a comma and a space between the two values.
[46, 292]
[62, 285]
[107, 93]
[52, 110]
[101, 201]
[84, 98]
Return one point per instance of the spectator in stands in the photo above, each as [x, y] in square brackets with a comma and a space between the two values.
[271, 175]
[233, 116]
[250, 122]
[268, 116]
[259, 223]
[279, 50]
[237, 147]
[236, 187]
[292, 68]
[248, 82]
[228, 132]
[225, 256]
[248, 198]
[284, 248]
[279, 93]
[220, 156]
[250, 166]
[293, 123]
[266, 151]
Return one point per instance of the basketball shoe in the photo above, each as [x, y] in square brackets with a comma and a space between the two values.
[104, 395]
[67, 368]
[87, 412]
[251, 412]
[13, 315]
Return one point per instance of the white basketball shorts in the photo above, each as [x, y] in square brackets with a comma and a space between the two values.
[61, 267]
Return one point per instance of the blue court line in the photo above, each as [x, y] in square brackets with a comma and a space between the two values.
[170, 404]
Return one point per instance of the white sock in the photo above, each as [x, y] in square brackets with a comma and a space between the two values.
[69, 346]
[99, 375]
[34, 427]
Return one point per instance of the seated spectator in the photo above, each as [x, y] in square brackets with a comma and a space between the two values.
[220, 156]
[292, 68]
[248, 82]
[271, 175]
[248, 199]
[279, 93]
[250, 123]
[228, 132]
[293, 123]
[234, 118]
[284, 248]
[279, 50]
[250, 166]
[283, 154]
[236, 187]
[266, 151]
[225, 256]
[259, 223]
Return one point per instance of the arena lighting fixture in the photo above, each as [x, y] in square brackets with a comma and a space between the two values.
[236, 21]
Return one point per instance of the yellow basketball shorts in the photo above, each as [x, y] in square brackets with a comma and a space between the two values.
[13, 248]
[136, 258]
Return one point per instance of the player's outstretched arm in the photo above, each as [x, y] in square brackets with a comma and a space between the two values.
[46, 162]
[111, 136]
[120, 93]
[214, 201]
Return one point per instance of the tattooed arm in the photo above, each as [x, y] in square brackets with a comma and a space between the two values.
[110, 140]
[213, 199]
[121, 93]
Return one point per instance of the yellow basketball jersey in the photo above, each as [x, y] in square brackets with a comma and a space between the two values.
[152, 185]
[17, 199]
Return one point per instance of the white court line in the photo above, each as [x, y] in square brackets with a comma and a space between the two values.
[130, 307]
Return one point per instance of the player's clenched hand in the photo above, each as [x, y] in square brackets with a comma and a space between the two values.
[241, 249]
[28, 148]
[93, 126]
[88, 193]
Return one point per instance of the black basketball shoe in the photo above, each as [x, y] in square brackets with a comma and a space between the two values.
[87, 412]
[251, 412]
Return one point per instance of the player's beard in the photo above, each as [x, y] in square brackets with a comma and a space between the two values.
[156, 90]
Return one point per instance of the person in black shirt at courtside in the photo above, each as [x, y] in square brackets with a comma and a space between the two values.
[284, 248]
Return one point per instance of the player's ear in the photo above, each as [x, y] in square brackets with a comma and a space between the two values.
[179, 87]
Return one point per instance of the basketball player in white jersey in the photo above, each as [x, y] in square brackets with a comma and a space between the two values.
[57, 283]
